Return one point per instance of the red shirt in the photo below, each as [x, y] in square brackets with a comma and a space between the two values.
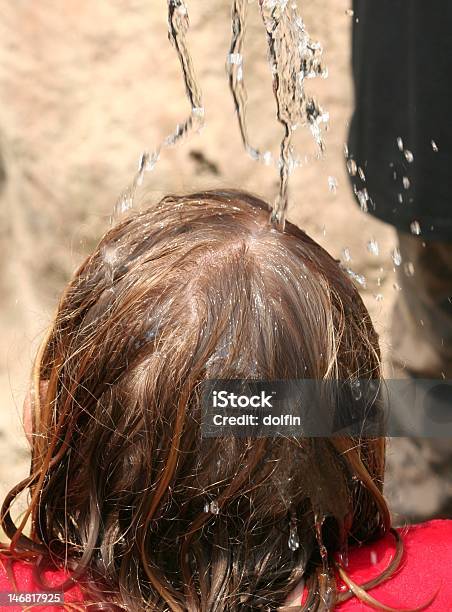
[426, 567]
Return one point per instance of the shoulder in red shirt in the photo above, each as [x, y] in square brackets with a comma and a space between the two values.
[426, 568]
[23, 574]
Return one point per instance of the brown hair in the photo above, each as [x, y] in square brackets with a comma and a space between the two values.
[196, 287]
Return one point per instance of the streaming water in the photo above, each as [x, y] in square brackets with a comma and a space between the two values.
[293, 58]
[234, 66]
[178, 25]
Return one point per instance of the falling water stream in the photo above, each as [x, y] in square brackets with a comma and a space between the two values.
[293, 58]
[178, 25]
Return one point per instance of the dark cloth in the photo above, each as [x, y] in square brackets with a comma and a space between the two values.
[402, 68]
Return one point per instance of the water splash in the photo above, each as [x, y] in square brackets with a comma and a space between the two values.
[178, 25]
[293, 58]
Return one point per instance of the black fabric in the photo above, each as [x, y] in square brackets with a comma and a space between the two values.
[402, 68]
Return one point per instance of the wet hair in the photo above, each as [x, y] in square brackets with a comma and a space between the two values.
[196, 287]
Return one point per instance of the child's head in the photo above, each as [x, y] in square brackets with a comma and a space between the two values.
[197, 287]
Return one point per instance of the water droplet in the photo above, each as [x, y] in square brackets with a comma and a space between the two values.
[214, 507]
[397, 287]
[408, 156]
[198, 111]
[349, 12]
[150, 335]
[435, 146]
[400, 143]
[343, 556]
[235, 58]
[207, 507]
[361, 174]
[355, 386]
[373, 557]
[363, 196]
[346, 254]
[400, 198]
[267, 158]
[110, 255]
[294, 540]
[352, 167]
[379, 297]
[332, 184]
[415, 228]
[372, 247]
[182, 10]
[396, 256]
[409, 268]
[359, 278]
[406, 182]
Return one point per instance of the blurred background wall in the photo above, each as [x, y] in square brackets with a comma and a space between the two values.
[85, 87]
